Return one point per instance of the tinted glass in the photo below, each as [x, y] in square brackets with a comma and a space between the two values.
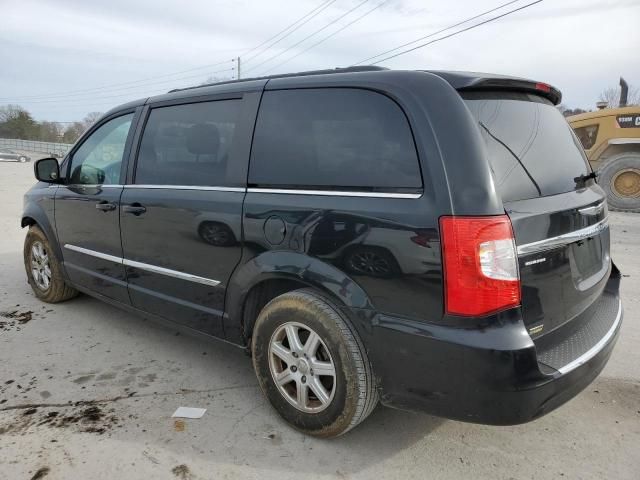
[98, 160]
[587, 135]
[530, 128]
[343, 138]
[188, 144]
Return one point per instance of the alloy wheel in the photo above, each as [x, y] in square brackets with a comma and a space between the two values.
[40, 267]
[302, 367]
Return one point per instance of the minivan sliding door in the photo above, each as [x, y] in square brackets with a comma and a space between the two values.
[181, 213]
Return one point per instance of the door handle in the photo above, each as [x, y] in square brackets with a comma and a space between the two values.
[134, 209]
[105, 206]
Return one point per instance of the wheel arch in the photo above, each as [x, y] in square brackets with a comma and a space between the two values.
[34, 216]
[273, 273]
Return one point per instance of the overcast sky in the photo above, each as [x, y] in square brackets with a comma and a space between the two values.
[51, 52]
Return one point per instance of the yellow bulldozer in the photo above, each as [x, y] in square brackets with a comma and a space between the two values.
[611, 140]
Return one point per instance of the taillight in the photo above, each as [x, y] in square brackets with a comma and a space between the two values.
[543, 87]
[480, 265]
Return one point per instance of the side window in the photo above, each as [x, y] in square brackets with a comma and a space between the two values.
[98, 160]
[338, 137]
[188, 144]
[587, 135]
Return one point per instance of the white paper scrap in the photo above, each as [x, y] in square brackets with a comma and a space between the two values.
[189, 412]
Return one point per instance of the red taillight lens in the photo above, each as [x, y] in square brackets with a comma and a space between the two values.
[543, 87]
[480, 265]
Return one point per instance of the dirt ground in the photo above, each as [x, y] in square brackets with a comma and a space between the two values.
[87, 392]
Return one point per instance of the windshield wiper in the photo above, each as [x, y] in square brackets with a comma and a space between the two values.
[535, 184]
[581, 180]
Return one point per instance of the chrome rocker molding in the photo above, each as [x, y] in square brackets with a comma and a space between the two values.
[565, 239]
[145, 266]
[593, 351]
[334, 193]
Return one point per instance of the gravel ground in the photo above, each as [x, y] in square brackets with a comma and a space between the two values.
[87, 391]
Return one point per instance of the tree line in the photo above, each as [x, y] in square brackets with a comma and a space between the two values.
[16, 122]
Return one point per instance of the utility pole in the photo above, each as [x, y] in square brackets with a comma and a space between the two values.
[238, 65]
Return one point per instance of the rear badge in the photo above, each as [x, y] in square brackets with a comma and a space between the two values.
[536, 329]
[533, 262]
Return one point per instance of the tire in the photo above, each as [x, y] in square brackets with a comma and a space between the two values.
[620, 179]
[22, 159]
[350, 395]
[55, 290]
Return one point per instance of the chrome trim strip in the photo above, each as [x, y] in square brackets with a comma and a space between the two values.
[145, 266]
[565, 239]
[171, 273]
[594, 210]
[334, 193]
[93, 253]
[593, 351]
[186, 187]
[91, 185]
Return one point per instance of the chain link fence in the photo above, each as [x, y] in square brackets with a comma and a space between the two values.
[49, 148]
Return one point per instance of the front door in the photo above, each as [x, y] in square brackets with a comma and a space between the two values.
[87, 210]
[181, 214]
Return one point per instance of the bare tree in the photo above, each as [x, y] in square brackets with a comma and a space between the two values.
[611, 95]
[50, 131]
[10, 112]
[91, 118]
[567, 112]
[73, 132]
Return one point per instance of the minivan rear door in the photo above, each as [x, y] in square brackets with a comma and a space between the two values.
[559, 214]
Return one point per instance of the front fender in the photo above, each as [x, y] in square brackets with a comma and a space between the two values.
[278, 264]
[39, 210]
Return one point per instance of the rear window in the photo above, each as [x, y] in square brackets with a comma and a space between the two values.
[333, 138]
[188, 144]
[532, 149]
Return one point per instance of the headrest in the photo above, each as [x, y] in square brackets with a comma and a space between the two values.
[203, 139]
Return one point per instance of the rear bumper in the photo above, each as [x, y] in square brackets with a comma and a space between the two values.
[491, 376]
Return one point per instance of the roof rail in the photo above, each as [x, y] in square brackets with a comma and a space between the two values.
[364, 68]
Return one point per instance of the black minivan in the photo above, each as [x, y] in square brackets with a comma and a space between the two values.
[432, 240]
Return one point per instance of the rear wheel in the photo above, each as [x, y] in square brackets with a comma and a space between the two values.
[44, 272]
[22, 159]
[620, 178]
[311, 365]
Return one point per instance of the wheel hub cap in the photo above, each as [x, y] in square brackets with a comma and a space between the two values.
[301, 367]
[626, 183]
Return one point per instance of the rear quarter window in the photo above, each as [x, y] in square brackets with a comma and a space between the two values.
[532, 150]
[333, 138]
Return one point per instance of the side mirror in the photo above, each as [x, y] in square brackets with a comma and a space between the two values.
[47, 170]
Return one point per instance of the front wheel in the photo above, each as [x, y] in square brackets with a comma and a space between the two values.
[22, 159]
[620, 178]
[44, 272]
[311, 364]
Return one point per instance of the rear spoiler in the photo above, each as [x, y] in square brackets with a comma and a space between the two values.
[538, 88]
[472, 81]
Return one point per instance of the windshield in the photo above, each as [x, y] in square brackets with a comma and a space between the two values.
[532, 150]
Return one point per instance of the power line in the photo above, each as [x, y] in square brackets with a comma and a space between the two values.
[328, 36]
[110, 86]
[139, 89]
[319, 9]
[308, 36]
[492, 19]
[134, 83]
[438, 32]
